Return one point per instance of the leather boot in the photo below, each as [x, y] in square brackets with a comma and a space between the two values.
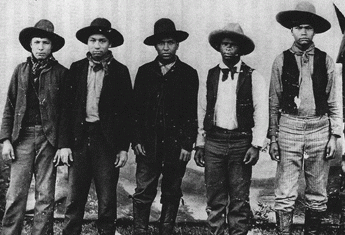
[141, 216]
[312, 222]
[284, 222]
[168, 217]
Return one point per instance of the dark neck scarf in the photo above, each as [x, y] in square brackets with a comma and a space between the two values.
[102, 63]
[39, 65]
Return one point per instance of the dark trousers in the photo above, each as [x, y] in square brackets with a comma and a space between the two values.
[34, 157]
[94, 160]
[227, 181]
[147, 176]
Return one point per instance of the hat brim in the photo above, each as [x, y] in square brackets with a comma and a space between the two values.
[290, 19]
[246, 44]
[178, 35]
[114, 36]
[27, 34]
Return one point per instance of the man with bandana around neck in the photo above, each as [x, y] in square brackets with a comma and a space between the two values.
[95, 127]
[305, 118]
[165, 127]
[29, 129]
[233, 122]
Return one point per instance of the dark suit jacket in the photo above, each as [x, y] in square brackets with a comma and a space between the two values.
[52, 81]
[114, 106]
[175, 95]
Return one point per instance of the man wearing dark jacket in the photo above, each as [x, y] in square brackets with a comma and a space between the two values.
[95, 125]
[29, 129]
[165, 126]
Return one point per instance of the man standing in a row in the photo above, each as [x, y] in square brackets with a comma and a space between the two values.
[95, 124]
[305, 118]
[29, 130]
[165, 127]
[234, 122]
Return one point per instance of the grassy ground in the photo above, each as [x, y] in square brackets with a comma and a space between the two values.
[124, 227]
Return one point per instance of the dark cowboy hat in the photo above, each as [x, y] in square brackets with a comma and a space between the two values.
[100, 26]
[165, 28]
[234, 32]
[304, 13]
[42, 29]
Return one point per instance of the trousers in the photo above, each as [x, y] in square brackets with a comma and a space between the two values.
[34, 156]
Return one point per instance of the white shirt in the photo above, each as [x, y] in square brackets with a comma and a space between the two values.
[260, 90]
[225, 108]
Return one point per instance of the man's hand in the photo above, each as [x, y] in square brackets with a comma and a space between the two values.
[63, 156]
[7, 151]
[185, 155]
[199, 157]
[331, 146]
[274, 151]
[252, 156]
[139, 150]
[121, 159]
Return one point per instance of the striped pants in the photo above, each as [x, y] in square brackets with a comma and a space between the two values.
[302, 143]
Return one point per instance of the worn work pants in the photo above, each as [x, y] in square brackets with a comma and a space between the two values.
[227, 181]
[302, 144]
[94, 160]
[34, 156]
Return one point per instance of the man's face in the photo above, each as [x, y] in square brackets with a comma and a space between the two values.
[41, 48]
[98, 45]
[167, 48]
[303, 34]
[228, 49]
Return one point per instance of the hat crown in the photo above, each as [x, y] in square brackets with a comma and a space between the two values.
[101, 22]
[305, 6]
[164, 25]
[234, 27]
[45, 25]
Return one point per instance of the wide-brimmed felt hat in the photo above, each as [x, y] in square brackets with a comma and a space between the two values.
[43, 29]
[165, 28]
[234, 32]
[100, 26]
[304, 13]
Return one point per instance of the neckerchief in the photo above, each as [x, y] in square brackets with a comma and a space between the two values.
[100, 64]
[304, 54]
[39, 65]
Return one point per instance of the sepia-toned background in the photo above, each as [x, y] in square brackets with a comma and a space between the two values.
[135, 20]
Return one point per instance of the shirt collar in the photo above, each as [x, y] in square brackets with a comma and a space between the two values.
[224, 66]
[294, 49]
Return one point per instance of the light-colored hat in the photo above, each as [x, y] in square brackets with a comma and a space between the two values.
[43, 29]
[234, 32]
[304, 13]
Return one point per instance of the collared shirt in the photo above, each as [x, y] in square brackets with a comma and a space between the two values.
[260, 103]
[333, 90]
[94, 87]
[225, 108]
[166, 67]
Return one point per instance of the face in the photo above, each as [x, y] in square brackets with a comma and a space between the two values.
[98, 45]
[41, 48]
[229, 49]
[167, 48]
[303, 34]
